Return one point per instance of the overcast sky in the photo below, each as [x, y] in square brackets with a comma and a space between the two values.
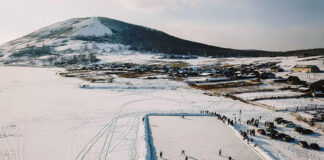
[242, 24]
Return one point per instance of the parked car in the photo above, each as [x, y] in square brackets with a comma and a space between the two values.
[298, 129]
[290, 125]
[278, 120]
[272, 135]
[269, 124]
[269, 129]
[303, 144]
[307, 131]
[314, 146]
[281, 135]
[274, 131]
[287, 138]
[261, 131]
[284, 121]
[303, 131]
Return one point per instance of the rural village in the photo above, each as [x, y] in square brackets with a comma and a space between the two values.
[258, 84]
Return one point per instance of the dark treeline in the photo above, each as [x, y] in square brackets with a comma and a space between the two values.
[33, 51]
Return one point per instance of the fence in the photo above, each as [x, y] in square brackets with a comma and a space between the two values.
[253, 103]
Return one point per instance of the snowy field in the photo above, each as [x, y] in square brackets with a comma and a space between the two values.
[258, 95]
[45, 116]
[140, 58]
[291, 104]
[200, 138]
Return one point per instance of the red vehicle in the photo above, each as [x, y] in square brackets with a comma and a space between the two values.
[261, 131]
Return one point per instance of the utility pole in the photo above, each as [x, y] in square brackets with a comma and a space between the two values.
[240, 117]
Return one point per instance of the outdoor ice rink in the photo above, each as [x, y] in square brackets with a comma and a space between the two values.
[172, 134]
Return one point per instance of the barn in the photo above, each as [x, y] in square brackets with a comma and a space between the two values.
[305, 68]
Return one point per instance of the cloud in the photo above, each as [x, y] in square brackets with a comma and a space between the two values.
[156, 6]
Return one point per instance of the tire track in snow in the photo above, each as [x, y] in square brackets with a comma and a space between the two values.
[73, 137]
[117, 117]
[106, 139]
[93, 141]
[76, 135]
[133, 139]
[110, 127]
[12, 144]
[129, 129]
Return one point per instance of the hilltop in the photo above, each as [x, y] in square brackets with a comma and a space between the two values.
[82, 40]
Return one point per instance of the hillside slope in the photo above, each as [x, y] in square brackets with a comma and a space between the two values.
[82, 39]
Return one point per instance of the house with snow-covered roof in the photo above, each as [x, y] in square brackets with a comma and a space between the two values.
[305, 68]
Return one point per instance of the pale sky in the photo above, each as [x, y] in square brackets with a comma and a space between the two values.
[241, 24]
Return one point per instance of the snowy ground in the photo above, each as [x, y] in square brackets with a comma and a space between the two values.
[268, 94]
[45, 116]
[287, 63]
[200, 138]
[292, 104]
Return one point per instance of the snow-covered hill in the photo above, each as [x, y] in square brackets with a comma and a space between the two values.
[89, 40]
[58, 43]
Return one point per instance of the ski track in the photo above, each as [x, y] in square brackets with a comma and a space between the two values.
[73, 137]
[129, 129]
[12, 145]
[92, 142]
[111, 137]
